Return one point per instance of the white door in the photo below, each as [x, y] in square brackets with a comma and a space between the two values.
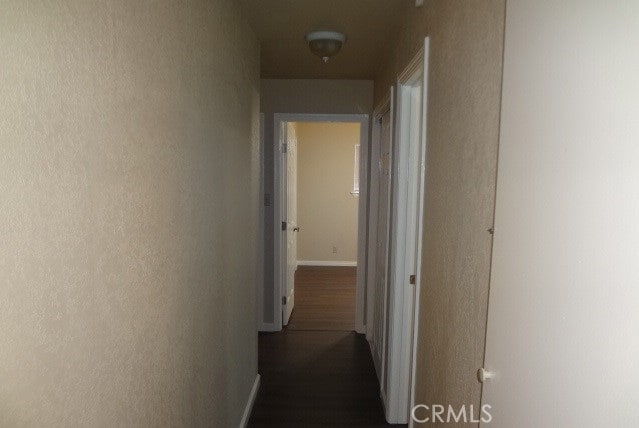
[405, 245]
[291, 229]
[400, 152]
[379, 290]
[563, 314]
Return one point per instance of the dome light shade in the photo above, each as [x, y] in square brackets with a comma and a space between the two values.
[325, 44]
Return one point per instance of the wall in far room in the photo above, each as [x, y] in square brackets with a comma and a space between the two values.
[326, 206]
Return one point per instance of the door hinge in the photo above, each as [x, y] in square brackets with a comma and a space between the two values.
[283, 225]
[267, 199]
[283, 300]
[485, 375]
[284, 148]
[411, 279]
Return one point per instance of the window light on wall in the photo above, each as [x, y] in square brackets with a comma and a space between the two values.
[355, 191]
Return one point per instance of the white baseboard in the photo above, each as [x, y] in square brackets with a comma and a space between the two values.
[268, 327]
[251, 401]
[287, 307]
[324, 263]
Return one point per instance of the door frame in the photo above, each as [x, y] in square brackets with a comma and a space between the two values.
[386, 105]
[408, 189]
[420, 225]
[279, 183]
[259, 302]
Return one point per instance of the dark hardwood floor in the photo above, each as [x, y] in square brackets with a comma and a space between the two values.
[317, 372]
[324, 298]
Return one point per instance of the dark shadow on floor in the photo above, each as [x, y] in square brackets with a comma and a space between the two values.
[316, 379]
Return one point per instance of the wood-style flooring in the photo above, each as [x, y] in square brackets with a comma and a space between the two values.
[317, 372]
[324, 298]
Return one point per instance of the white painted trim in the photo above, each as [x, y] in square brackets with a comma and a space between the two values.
[377, 344]
[288, 298]
[386, 309]
[362, 233]
[251, 401]
[268, 327]
[290, 303]
[373, 196]
[325, 263]
[372, 225]
[414, 67]
[360, 288]
[420, 227]
[407, 187]
[277, 222]
[260, 233]
[313, 117]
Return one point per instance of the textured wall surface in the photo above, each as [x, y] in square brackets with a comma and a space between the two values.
[326, 209]
[466, 39]
[300, 96]
[128, 164]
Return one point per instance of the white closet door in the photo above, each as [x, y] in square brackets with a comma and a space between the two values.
[378, 336]
[563, 317]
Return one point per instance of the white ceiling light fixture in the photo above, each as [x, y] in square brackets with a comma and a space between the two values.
[325, 44]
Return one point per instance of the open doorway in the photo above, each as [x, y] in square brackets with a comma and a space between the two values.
[319, 165]
[322, 205]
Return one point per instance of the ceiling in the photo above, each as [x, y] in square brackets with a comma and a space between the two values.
[282, 24]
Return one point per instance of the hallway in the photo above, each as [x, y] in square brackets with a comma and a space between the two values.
[148, 234]
[317, 371]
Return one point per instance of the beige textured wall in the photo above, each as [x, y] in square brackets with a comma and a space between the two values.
[326, 209]
[463, 118]
[300, 96]
[128, 164]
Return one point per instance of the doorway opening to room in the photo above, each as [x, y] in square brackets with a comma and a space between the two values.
[322, 236]
[322, 207]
